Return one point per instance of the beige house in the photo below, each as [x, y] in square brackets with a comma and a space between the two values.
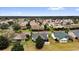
[23, 24]
[20, 36]
[36, 26]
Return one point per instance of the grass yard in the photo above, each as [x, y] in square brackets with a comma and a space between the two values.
[30, 46]
[26, 30]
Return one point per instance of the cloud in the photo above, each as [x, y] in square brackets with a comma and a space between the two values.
[55, 8]
[77, 9]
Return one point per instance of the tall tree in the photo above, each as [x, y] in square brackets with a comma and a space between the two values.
[39, 42]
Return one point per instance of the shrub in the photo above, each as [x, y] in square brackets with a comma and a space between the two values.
[17, 47]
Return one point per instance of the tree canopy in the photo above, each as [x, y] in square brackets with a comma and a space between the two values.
[4, 43]
[16, 27]
[39, 42]
[4, 26]
[17, 47]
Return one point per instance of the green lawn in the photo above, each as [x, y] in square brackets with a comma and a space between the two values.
[26, 30]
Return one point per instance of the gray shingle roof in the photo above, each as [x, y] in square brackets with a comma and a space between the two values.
[42, 34]
[60, 34]
[76, 32]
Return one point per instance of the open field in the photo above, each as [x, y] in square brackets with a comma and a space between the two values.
[30, 46]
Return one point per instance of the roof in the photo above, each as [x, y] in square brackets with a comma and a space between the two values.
[60, 34]
[76, 32]
[36, 26]
[42, 34]
[23, 23]
[72, 26]
[71, 34]
[20, 36]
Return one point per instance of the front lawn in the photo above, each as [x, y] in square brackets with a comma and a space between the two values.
[30, 46]
[27, 30]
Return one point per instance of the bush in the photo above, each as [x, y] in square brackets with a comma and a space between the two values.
[4, 43]
[39, 43]
[17, 47]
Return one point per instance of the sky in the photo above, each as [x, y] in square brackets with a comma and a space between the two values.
[39, 11]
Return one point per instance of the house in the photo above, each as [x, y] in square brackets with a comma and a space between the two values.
[58, 26]
[23, 24]
[72, 26]
[36, 26]
[44, 36]
[76, 32]
[10, 21]
[60, 36]
[71, 35]
[20, 36]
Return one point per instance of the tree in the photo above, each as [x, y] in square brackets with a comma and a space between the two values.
[4, 26]
[27, 37]
[17, 47]
[46, 26]
[51, 28]
[39, 42]
[4, 43]
[28, 25]
[75, 21]
[67, 30]
[16, 27]
[11, 22]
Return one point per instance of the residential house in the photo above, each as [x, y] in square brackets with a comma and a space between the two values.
[44, 36]
[72, 35]
[20, 36]
[36, 26]
[23, 24]
[76, 32]
[60, 36]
